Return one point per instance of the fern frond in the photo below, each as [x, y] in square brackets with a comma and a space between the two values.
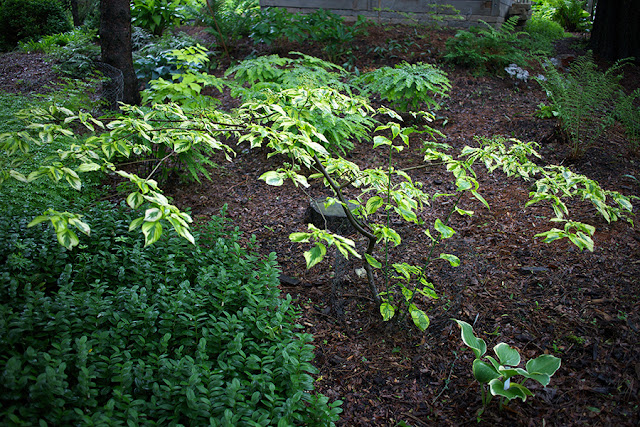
[584, 99]
[407, 86]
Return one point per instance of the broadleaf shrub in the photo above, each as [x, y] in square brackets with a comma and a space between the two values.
[168, 334]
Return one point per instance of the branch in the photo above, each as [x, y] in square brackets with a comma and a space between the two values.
[359, 228]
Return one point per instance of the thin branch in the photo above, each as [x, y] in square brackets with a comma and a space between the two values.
[359, 228]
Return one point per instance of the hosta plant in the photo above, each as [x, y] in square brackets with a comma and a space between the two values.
[499, 375]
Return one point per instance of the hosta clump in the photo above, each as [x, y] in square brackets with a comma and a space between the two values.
[407, 86]
[498, 374]
[117, 333]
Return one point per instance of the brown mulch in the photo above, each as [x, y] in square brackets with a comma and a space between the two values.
[583, 307]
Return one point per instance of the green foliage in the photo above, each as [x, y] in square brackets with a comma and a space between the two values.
[75, 52]
[74, 94]
[569, 14]
[50, 43]
[627, 112]
[31, 19]
[187, 84]
[175, 333]
[407, 86]
[157, 15]
[156, 59]
[230, 20]
[553, 184]
[321, 119]
[542, 35]
[184, 143]
[498, 374]
[324, 27]
[486, 49]
[584, 100]
[309, 90]
[385, 190]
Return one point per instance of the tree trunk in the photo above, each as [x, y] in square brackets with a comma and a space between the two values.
[115, 42]
[616, 29]
[75, 14]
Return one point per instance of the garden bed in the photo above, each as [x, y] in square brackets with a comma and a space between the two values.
[540, 298]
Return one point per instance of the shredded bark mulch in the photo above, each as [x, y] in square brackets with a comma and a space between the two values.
[583, 307]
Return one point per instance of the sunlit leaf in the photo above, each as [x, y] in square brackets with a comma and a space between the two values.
[272, 178]
[420, 319]
[315, 255]
[387, 311]
[453, 260]
[507, 355]
[444, 230]
[478, 345]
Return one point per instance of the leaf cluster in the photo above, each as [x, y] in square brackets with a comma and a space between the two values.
[156, 59]
[569, 14]
[157, 15]
[485, 49]
[627, 113]
[542, 35]
[407, 86]
[322, 26]
[171, 334]
[31, 19]
[584, 100]
[307, 90]
[553, 184]
[498, 374]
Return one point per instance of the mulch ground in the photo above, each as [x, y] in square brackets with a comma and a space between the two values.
[583, 307]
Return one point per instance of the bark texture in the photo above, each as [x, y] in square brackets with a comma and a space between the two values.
[115, 42]
[616, 29]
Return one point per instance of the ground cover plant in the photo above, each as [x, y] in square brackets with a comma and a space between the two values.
[537, 297]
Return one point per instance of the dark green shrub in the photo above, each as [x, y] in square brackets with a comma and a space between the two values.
[486, 49]
[157, 15]
[570, 14]
[230, 20]
[155, 60]
[31, 19]
[542, 33]
[326, 28]
[115, 333]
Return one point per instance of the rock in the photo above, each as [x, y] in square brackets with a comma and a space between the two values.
[287, 280]
[532, 270]
[332, 218]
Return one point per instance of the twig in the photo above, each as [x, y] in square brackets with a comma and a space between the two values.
[447, 381]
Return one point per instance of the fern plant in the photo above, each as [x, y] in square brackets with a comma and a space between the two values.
[628, 115]
[584, 100]
[486, 49]
[407, 86]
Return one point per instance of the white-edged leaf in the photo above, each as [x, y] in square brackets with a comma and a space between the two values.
[453, 260]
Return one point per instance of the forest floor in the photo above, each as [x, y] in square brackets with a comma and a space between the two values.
[583, 307]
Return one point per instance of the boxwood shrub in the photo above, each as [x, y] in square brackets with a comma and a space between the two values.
[113, 333]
